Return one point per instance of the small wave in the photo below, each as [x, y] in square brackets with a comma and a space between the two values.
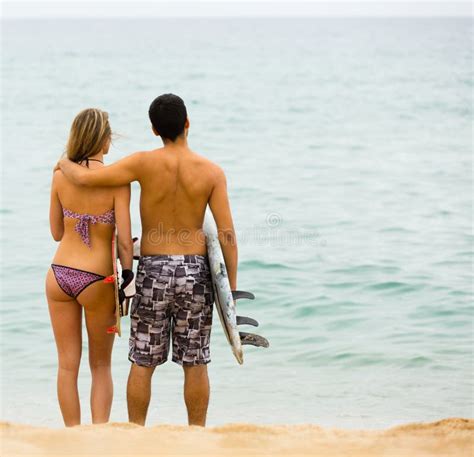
[315, 147]
[345, 323]
[451, 351]
[460, 293]
[366, 268]
[313, 340]
[260, 264]
[445, 312]
[395, 230]
[344, 223]
[355, 359]
[442, 368]
[357, 147]
[359, 360]
[465, 254]
[387, 285]
[305, 311]
[315, 310]
[345, 356]
[347, 304]
[418, 361]
[449, 263]
[395, 286]
[432, 312]
[341, 285]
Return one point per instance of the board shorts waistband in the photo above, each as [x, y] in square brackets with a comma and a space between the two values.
[174, 258]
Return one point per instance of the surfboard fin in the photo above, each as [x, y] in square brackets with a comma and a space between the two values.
[244, 320]
[236, 294]
[254, 340]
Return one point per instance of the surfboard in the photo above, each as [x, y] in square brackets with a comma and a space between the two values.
[225, 298]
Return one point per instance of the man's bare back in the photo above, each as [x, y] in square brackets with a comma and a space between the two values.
[176, 186]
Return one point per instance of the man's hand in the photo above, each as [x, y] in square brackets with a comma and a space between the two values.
[62, 161]
[73, 171]
[57, 167]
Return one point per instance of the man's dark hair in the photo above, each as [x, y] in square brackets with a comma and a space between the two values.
[168, 115]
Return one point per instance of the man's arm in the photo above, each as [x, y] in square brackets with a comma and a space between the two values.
[119, 173]
[220, 208]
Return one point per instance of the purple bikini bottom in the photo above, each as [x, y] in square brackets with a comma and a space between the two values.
[72, 280]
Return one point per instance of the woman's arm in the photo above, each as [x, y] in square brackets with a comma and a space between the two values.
[56, 221]
[124, 229]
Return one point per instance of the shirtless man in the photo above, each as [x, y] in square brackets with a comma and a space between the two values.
[174, 289]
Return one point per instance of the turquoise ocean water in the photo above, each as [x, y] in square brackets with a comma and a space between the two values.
[347, 144]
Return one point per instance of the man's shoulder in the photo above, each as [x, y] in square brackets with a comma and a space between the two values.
[142, 160]
[211, 167]
[147, 154]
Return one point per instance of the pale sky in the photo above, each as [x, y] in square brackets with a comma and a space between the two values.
[231, 8]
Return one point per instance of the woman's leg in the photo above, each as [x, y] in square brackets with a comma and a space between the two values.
[66, 319]
[99, 306]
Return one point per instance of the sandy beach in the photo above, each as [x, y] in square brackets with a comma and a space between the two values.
[448, 437]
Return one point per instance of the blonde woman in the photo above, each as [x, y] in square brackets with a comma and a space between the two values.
[83, 221]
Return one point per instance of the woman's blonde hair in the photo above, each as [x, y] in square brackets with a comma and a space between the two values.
[89, 133]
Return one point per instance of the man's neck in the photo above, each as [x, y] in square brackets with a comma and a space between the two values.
[179, 144]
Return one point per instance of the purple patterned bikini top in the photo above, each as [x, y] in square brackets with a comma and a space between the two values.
[83, 221]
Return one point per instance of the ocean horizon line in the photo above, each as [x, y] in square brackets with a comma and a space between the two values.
[235, 9]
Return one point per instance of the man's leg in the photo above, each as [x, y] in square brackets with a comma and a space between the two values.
[192, 323]
[139, 393]
[150, 323]
[196, 393]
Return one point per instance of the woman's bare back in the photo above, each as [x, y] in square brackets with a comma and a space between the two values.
[77, 201]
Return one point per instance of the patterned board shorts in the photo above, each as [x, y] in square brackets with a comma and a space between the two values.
[174, 296]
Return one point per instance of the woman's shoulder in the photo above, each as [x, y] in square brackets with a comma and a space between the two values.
[75, 193]
[61, 182]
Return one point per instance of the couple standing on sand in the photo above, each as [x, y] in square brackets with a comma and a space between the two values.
[174, 297]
